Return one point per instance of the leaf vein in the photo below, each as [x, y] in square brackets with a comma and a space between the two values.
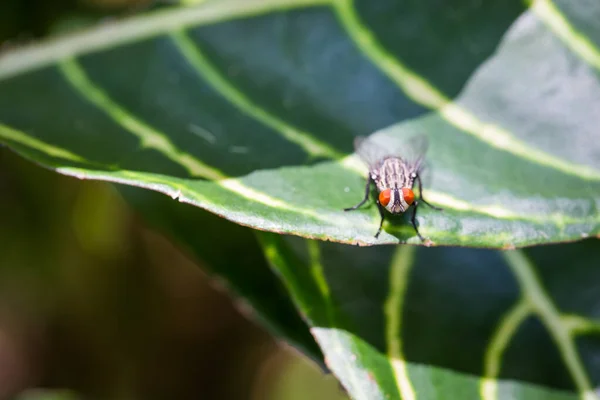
[318, 273]
[14, 135]
[152, 138]
[547, 11]
[199, 61]
[541, 304]
[237, 187]
[500, 339]
[149, 136]
[138, 28]
[401, 265]
[578, 325]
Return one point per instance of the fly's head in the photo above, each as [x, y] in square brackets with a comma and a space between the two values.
[396, 200]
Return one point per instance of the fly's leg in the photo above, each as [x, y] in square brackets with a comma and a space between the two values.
[422, 199]
[382, 215]
[414, 222]
[365, 198]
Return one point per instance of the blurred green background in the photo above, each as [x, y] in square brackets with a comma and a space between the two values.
[95, 304]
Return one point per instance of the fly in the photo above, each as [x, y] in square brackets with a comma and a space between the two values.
[394, 173]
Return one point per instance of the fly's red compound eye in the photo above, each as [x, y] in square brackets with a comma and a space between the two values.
[385, 196]
[409, 196]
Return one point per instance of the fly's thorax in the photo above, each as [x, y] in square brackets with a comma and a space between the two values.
[392, 172]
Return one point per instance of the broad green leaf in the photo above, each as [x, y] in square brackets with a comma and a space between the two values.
[417, 323]
[248, 109]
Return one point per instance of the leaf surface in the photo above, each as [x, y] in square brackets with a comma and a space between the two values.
[415, 323]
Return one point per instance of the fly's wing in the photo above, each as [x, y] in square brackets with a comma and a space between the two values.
[425, 174]
[411, 150]
[370, 151]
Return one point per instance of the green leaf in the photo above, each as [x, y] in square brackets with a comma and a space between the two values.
[411, 323]
[236, 106]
